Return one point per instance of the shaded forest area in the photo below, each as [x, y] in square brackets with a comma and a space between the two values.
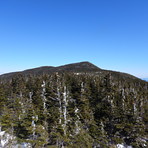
[74, 110]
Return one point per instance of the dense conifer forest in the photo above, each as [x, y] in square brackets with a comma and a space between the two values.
[73, 109]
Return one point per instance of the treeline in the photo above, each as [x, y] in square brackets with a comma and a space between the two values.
[74, 110]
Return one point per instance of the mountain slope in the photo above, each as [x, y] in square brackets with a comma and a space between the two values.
[82, 67]
[76, 67]
[73, 106]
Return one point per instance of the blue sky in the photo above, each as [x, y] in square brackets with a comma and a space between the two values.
[112, 34]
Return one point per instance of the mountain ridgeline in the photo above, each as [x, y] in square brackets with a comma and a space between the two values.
[82, 67]
[73, 106]
[76, 67]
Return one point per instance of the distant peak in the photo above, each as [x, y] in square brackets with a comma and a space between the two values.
[84, 63]
[88, 64]
[84, 66]
[79, 67]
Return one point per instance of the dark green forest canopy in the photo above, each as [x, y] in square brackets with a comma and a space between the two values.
[72, 109]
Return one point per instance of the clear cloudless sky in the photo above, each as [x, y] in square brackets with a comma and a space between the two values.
[112, 34]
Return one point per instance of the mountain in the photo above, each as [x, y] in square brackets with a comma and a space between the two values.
[73, 106]
[76, 67]
[82, 67]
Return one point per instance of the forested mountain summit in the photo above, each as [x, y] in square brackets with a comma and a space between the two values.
[73, 106]
[81, 67]
[75, 67]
